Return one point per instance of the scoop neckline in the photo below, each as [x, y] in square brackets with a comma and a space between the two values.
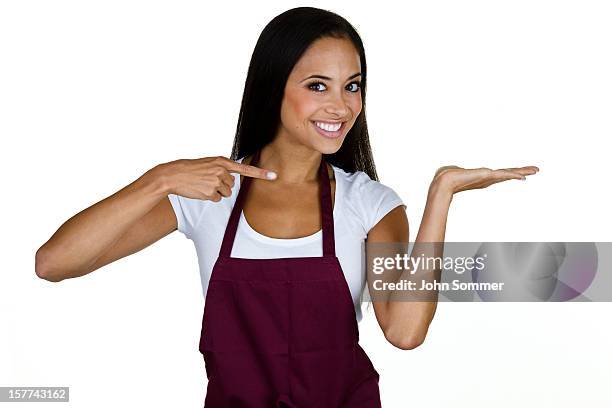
[246, 227]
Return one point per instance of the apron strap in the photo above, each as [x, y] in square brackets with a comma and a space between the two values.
[327, 216]
[327, 213]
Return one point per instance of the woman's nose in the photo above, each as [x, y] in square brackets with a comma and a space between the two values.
[337, 106]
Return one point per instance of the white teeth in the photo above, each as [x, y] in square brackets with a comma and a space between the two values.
[328, 127]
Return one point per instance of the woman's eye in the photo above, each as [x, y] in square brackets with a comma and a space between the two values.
[310, 86]
[358, 86]
[313, 86]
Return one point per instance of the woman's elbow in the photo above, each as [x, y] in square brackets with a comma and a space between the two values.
[42, 267]
[405, 341]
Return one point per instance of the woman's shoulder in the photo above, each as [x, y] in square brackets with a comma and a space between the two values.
[370, 200]
[359, 182]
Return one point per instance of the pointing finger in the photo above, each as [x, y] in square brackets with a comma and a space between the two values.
[248, 170]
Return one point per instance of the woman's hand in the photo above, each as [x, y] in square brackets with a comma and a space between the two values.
[456, 179]
[207, 178]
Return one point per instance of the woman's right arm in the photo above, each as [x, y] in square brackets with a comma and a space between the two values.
[127, 221]
[135, 216]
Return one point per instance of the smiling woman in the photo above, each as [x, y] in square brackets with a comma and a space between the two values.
[308, 67]
[323, 56]
[290, 269]
[280, 226]
[278, 312]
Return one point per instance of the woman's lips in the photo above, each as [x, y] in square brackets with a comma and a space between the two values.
[328, 134]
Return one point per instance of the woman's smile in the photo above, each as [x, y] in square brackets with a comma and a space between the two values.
[329, 130]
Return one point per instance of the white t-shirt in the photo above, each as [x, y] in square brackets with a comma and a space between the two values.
[360, 203]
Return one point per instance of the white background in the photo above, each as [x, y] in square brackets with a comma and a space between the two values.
[92, 94]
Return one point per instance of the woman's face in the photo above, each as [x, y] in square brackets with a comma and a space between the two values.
[324, 86]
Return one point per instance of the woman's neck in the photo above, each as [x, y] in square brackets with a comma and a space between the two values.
[293, 165]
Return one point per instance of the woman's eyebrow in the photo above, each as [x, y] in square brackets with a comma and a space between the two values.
[328, 78]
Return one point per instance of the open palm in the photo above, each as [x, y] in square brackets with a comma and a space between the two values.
[460, 179]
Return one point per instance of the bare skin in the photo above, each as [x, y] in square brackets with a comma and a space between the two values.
[405, 323]
[135, 216]
[284, 207]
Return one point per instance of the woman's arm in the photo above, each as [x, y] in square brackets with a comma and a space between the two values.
[405, 323]
[79, 245]
[135, 216]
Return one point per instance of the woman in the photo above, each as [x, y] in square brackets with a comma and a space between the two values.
[279, 226]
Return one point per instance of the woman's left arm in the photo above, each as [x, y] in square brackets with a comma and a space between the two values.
[405, 322]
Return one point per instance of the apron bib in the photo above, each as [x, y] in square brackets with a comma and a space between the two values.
[282, 332]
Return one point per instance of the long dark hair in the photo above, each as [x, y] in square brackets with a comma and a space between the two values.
[279, 47]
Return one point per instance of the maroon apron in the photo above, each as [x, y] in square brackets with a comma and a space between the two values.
[282, 332]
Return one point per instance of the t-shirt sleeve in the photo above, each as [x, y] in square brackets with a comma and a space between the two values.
[374, 200]
[188, 212]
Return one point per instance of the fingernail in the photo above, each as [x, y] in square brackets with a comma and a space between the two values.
[271, 175]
